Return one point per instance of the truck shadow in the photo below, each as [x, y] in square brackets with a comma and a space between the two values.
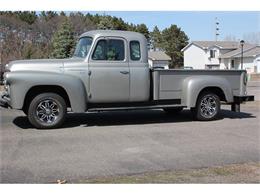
[129, 118]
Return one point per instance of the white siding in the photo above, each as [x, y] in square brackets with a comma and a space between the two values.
[248, 64]
[150, 62]
[251, 64]
[158, 63]
[237, 63]
[257, 62]
[198, 58]
[194, 57]
[225, 63]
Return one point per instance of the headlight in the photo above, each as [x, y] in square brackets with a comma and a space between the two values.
[6, 78]
[5, 84]
[7, 68]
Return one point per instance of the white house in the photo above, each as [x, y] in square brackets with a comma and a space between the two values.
[158, 59]
[221, 55]
[251, 59]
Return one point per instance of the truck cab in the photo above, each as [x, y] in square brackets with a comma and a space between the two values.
[116, 65]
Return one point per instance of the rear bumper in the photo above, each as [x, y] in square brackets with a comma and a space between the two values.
[4, 100]
[244, 98]
[235, 106]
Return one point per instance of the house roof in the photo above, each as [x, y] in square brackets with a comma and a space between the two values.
[220, 44]
[249, 51]
[158, 55]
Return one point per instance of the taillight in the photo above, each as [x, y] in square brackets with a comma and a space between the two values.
[245, 78]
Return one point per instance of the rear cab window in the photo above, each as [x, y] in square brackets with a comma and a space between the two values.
[135, 51]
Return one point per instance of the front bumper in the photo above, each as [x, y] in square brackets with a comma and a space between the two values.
[4, 99]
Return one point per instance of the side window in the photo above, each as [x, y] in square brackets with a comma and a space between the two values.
[115, 50]
[111, 50]
[135, 52]
[100, 50]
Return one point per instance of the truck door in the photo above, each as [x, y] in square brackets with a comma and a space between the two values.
[109, 71]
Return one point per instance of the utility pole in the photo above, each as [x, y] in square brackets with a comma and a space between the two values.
[216, 29]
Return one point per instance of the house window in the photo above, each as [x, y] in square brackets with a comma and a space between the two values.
[212, 53]
[232, 63]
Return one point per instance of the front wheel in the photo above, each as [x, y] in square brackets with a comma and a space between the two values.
[47, 110]
[207, 107]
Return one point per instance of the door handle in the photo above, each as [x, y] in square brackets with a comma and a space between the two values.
[124, 72]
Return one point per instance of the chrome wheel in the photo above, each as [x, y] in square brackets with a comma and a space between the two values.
[208, 106]
[47, 111]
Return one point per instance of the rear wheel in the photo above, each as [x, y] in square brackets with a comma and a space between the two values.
[207, 107]
[47, 110]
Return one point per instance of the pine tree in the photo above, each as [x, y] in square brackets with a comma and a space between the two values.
[27, 51]
[106, 23]
[131, 27]
[47, 15]
[142, 28]
[174, 39]
[63, 41]
[156, 38]
[62, 13]
[27, 16]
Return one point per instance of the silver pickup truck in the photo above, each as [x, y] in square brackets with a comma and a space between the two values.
[109, 71]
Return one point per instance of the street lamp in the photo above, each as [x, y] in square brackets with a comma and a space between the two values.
[242, 42]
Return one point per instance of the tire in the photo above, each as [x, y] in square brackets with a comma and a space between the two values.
[207, 107]
[47, 111]
[176, 110]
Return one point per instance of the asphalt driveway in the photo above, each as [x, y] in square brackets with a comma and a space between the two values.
[111, 143]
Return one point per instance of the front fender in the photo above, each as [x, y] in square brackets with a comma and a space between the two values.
[22, 81]
[193, 85]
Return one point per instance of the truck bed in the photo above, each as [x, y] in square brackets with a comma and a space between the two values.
[168, 84]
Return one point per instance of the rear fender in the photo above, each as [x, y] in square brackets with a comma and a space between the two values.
[192, 86]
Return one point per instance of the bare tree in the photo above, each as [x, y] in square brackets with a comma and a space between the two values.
[81, 23]
[230, 38]
[252, 37]
[11, 47]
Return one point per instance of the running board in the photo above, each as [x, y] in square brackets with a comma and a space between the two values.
[136, 107]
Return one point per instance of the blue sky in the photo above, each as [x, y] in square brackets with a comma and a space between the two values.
[197, 25]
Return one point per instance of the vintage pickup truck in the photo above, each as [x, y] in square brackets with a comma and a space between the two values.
[109, 71]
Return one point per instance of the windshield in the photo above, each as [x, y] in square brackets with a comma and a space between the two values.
[83, 47]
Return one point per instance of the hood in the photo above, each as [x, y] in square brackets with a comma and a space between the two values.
[53, 65]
